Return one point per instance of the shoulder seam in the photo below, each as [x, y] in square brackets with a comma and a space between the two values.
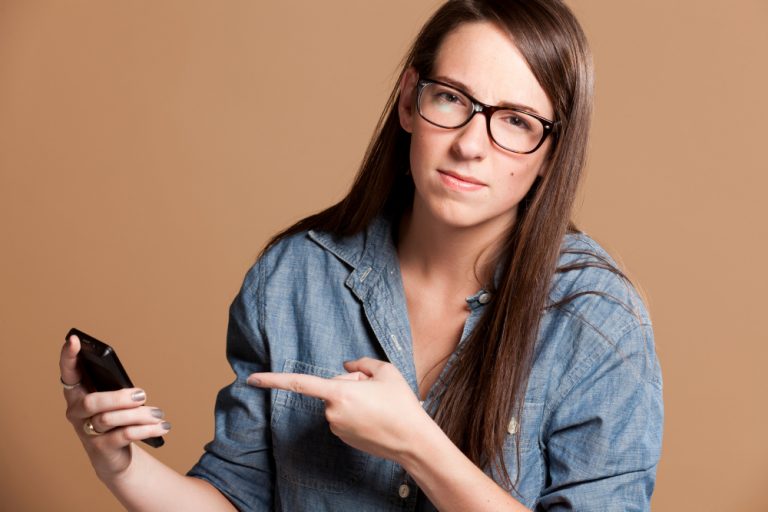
[261, 299]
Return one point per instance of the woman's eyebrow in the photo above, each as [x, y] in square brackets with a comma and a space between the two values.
[468, 89]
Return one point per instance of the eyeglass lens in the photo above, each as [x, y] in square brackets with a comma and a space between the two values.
[450, 108]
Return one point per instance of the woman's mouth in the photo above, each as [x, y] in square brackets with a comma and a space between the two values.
[459, 182]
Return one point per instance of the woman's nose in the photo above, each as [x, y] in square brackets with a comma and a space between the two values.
[472, 140]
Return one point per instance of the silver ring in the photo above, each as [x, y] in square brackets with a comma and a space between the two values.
[88, 429]
[68, 386]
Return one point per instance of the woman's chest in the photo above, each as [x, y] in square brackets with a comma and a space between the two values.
[435, 333]
[314, 337]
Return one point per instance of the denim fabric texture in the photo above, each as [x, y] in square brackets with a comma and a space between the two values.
[591, 424]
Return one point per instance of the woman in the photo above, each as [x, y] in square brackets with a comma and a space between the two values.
[441, 338]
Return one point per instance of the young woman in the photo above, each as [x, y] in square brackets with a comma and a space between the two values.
[441, 338]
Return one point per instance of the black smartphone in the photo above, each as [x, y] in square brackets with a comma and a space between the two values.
[103, 370]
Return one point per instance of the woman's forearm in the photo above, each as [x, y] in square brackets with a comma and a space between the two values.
[452, 481]
[148, 485]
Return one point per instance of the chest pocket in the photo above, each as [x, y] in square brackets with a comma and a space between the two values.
[306, 452]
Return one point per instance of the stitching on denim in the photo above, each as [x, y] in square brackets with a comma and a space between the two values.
[576, 376]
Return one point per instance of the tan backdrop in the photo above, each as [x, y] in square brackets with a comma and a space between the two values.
[149, 148]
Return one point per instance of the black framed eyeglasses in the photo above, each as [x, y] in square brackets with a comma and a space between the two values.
[512, 129]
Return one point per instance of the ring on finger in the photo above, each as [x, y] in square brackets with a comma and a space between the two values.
[68, 386]
[88, 428]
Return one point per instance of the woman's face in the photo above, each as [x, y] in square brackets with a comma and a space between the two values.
[462, 178]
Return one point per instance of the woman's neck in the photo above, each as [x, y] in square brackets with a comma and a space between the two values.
[453, 258]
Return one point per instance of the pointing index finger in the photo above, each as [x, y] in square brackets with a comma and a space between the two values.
[309, 385]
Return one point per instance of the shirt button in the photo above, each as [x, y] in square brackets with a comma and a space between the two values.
[484, 298]
[404, 491]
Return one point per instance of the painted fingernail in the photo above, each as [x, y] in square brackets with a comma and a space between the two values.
[157, 413]
[254, 381]
[139, 396]
[166, 425]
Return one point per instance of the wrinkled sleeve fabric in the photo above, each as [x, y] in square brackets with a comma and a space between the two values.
[603, 438]
[239, 460]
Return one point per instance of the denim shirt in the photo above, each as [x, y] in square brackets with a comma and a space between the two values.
[591, 422]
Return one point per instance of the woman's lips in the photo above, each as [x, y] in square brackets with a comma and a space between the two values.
[456, 181]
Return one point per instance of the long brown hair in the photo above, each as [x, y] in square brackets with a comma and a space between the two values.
[492, 369]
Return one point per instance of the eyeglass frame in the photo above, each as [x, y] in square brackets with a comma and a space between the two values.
[478, 107]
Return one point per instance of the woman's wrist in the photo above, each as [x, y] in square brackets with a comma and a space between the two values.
[112, 478]
[422, 440]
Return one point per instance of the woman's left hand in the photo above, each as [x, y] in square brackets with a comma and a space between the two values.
[371, 408]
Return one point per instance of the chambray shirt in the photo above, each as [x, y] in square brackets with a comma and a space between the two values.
[591, 424]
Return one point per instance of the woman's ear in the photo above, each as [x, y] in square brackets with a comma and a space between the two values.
[406, 104]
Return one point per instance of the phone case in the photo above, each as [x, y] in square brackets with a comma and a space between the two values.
[103, 369]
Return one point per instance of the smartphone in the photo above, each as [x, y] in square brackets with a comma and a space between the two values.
[103, 370]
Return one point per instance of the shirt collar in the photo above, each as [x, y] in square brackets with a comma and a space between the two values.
[360, 248]
[370, 253]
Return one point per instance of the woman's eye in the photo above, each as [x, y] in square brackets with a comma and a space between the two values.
[447, 97]
[517, 122]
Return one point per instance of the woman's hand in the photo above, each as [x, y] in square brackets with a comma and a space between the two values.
[106, 422]
[371, 408]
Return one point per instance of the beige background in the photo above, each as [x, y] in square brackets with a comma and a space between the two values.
[148, 148]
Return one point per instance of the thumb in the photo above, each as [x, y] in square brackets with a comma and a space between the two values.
[68, 360]
[352, 376]
[366, 365]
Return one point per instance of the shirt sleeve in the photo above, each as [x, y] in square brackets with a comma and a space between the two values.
[239, 460]
[603, 440]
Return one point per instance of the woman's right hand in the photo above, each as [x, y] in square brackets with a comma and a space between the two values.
[118, 417]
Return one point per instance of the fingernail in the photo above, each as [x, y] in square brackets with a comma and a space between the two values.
[157, 413]
[253, 381]
[166, 425]
[139, 396]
